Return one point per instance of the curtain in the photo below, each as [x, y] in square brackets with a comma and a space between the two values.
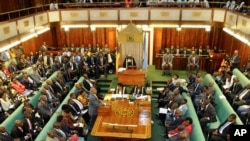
[135, 50]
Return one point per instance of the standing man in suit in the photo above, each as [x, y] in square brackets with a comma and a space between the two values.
[193, 62]
[167, 60]
[222, 132]
[94, 103]
[101, 65]
[235, 62]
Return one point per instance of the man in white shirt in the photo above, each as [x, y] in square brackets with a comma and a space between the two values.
[53, 6]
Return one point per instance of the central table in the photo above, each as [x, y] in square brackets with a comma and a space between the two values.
[122, 120]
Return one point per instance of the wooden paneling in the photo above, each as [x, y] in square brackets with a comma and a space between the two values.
[35, 43]
[157, 42]
[230, 44]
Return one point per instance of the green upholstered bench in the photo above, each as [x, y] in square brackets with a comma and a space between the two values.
[18, 113]
[243, 79]
[197, 134]
[223, 108]
[43, 134]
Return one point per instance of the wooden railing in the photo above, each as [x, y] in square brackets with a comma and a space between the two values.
[32, 10]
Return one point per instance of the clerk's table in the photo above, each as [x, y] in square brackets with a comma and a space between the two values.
[123, 120]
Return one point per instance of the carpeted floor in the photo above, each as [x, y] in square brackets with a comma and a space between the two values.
[152, 75]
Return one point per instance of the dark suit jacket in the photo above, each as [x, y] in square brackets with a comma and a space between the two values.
[59, 135]
[247, 98]
[91, 61]
[26, 126]
[104, 61]
[12, 68]
[226, 130]
[175, 123]
[86, 84]
[69, 76]
[208, 112]
[69, 65]
[6, 137]
[198, 88]
[235, 89]
[16, 133]
[74, 109]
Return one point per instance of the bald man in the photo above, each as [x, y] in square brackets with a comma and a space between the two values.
[94, 103]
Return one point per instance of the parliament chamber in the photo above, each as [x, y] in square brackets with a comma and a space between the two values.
[150, 29]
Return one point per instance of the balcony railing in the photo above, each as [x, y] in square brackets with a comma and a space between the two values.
[32, 10]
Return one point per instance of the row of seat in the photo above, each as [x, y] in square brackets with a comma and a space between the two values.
[223, 108]
[17, 114]
[49, 125]
[243, 79]
[197, 134]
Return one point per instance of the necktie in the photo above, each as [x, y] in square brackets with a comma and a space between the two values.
[234, 87]
[30, 125]
[58, 84]
[61, 132]
[101, 61]
[243, 93]
[223, 127]
[69, 76]
[91, 85]
[193, 60]
[51, 89]
[50, 95]
[109, 58]
[196, 87]
[73, 108]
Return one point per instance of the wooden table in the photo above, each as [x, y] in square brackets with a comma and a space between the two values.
[122, 120]
[132, 77]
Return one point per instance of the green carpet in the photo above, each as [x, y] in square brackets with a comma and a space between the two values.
[152, 75]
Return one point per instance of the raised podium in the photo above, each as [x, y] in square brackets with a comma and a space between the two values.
[132, 77]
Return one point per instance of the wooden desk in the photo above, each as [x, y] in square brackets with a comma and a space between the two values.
[124, 121]
[132, 77]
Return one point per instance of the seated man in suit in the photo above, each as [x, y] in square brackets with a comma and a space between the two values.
[138, 90]
[223, 131]
[242, 98]
[4, 135]
[87, 82]
[193, 62]
[129, 61]
[206, 114]
[167, 61]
